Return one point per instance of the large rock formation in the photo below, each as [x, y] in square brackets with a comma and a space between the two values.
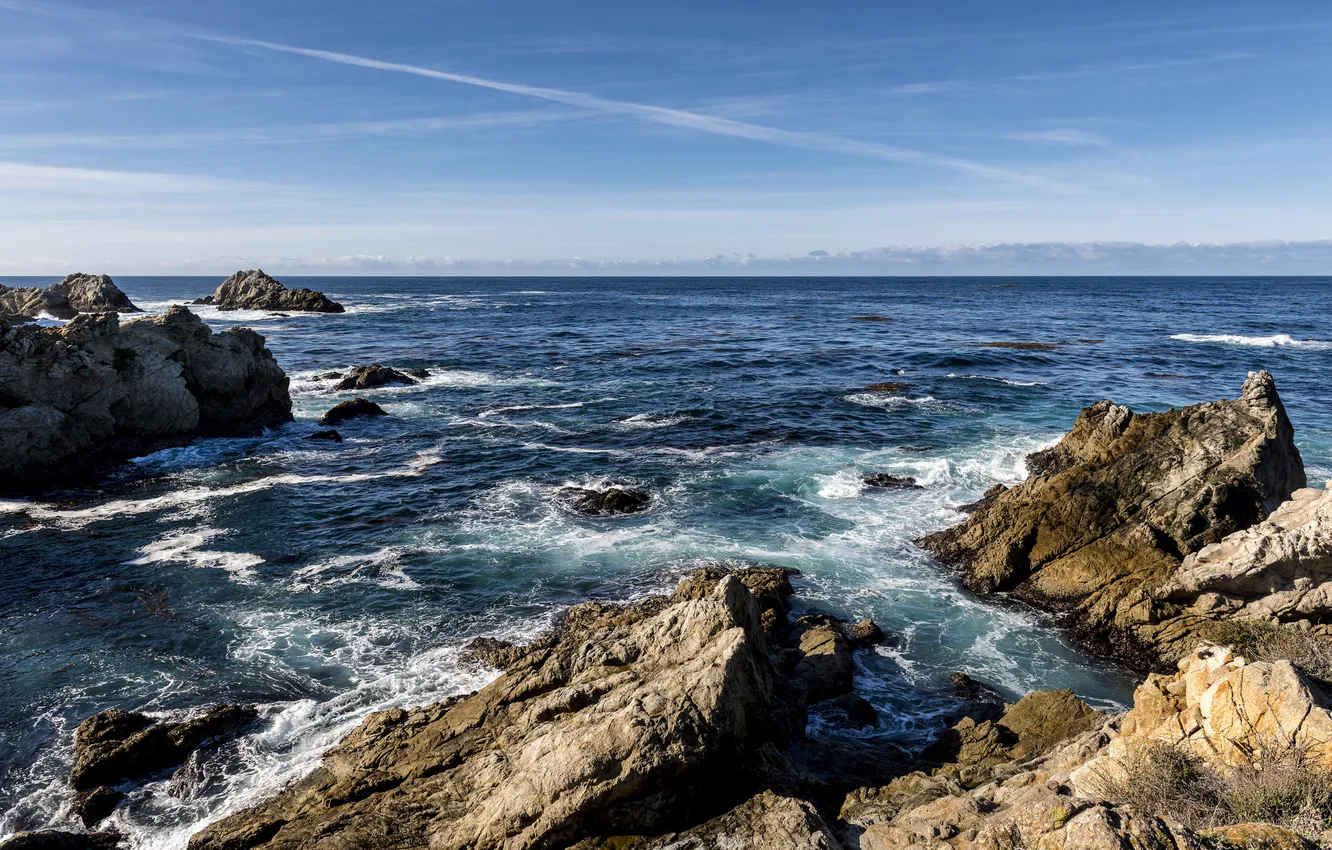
[1280, 569]
[75, 398]
[1109, 514]
[114, 746]
[77, 293]
[627, 720]
[254, 290]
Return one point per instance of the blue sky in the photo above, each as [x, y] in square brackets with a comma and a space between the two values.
[509, 136]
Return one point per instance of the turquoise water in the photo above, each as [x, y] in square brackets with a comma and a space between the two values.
[323, 581]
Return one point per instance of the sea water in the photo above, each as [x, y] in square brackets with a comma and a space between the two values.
[323, 581]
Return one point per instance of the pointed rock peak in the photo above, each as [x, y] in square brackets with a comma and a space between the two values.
[1260, 390]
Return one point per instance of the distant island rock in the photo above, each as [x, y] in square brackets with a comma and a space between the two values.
[77, 293]
[255, 290]
[75, 399]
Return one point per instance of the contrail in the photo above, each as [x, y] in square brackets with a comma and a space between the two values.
[663, 115]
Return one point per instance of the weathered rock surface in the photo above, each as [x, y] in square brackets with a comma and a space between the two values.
[344, 410]
[1109, 514]
[613, 501]
[254, 290]
[115, 746]
[622, 722]
[56, 840]
[769, 821]
[77, 293]
[366, 377]
[76, 398]
[95, 805]
[1280, 569]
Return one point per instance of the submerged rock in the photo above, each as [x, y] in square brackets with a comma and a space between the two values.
[344, 410]
[1021, 346]
[883, 480]
[1109, 514]
[329, 436]
[75, 399]
[889, 387]
[254, 290]
[613, 501]
[366, 377]
[115, 746]
[624, 720]
[77, 293]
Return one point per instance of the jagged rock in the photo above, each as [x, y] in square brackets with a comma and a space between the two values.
[327, 436]
[366, 377]
[1279, 569]
[1109, 513]
[254, 290]
[622, 721]
[76, 398]
[55, 840]
[613, 501]
[344, 410]
[77, 293]
[115, 746]
[986, 498]
[769, 821]
[96, 293]
[890, 482]
[96, 805]
[984, 702]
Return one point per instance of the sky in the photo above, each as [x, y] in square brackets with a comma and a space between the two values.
[514, 136]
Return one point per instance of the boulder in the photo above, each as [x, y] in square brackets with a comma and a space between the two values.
[885, 481]
[344, 410]
[75, 399]
[613, 501]
[116, 746]
[95, 805]
[1109, 513]
[624, 720]
[26, 303]
[254, 290]
[366, 377]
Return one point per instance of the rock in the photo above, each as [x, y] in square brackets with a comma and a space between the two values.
[985, 703]
[1021, 346]
[613, 501]
[825, 664]
[863, 634]
[55, 840]
[771, 587]
[95, 805]
[366, 377]
[330, 376]
[76, 399]
[889, 387]
[330, 436]
[1109, 514]
[890, 482]
[344, 410]
[768, 820]
[1257, 836]
[418, 373]
[96, 293]
[254, 290]
[115, 746]
[28, 302]
[857, 709]
[621, 721]
[1279, 569]
[989, 496]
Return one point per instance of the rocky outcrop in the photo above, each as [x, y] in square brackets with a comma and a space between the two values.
[885, 481]
[625, 721]
[254, 290]
[115, 746]
[1108, 515]
[77, 293]
[768, 820]
[56, 840]
[75, 399]
[366, 377]
[612, 501]
[1280, 569]
[344, 410]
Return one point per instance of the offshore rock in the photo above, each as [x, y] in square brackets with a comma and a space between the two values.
[115, 746]
[366, 377]
[613, 501]
[890, 482]
[1109, 514]
[75, 399]
[344, 410]
[624, 721]
[77, 293]
[254, 290]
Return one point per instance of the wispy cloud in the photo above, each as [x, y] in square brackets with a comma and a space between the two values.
[681, 118]
[29, 176]
[1061, 136]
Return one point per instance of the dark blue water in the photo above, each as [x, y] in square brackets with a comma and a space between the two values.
[325, 581]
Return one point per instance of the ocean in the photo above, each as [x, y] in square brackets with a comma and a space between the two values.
[324, 581]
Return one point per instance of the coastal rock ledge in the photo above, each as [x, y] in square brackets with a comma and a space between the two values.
[76, 399]
[254, 290]
[1110, 514]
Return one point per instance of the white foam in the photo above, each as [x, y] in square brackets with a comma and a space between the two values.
[382, 568]
[890, 401]
[187, 547]
[1273, 341]
[1007, 381]
[645, 421]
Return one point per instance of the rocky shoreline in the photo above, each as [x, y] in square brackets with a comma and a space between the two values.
[680, 720]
